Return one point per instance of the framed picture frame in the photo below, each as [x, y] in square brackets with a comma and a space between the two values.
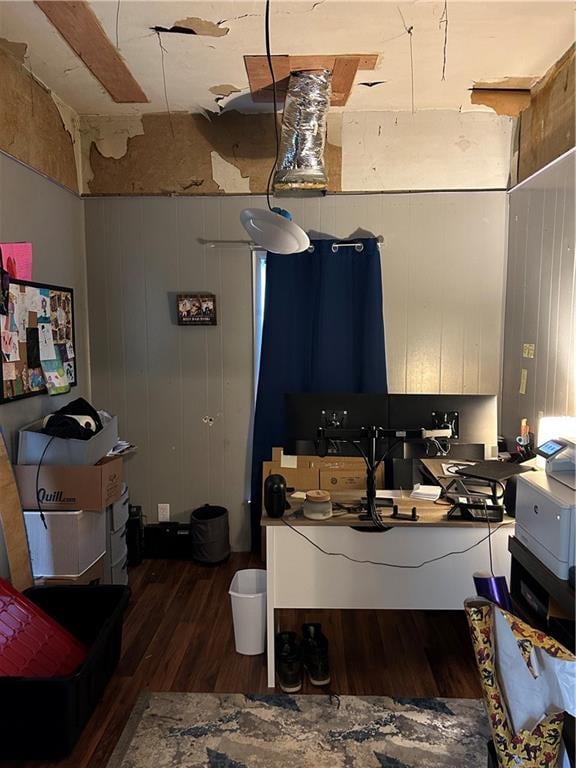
[196, 309]
[40, 318]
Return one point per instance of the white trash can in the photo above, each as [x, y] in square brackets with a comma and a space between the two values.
[248, 595]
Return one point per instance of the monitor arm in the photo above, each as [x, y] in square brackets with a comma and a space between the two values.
[370, 435]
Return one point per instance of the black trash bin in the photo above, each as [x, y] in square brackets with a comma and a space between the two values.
[210, 535]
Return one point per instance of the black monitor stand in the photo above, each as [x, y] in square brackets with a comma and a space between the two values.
[365, 441]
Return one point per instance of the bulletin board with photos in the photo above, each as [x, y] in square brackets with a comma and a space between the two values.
[37, 341]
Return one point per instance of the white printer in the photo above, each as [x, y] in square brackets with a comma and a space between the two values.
[545, 508]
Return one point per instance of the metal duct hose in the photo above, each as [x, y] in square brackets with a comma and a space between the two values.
[301, 162]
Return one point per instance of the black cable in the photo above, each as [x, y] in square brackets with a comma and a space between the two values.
[275, 99]
[393, 565]
[48, 444]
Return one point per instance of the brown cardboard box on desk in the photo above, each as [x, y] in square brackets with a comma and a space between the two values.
[331, 473]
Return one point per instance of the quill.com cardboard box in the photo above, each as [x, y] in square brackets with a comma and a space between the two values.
[70, 487]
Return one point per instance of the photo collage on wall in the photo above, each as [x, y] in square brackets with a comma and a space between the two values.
[37, 341]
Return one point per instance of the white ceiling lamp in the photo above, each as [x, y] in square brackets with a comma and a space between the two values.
[273, 229]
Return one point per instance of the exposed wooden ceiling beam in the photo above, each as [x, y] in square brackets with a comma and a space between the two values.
[79, 26]
[343, 67]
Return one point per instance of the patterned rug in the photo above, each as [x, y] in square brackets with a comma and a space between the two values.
[198, 730]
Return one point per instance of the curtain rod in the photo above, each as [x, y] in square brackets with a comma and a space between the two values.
[253, 247]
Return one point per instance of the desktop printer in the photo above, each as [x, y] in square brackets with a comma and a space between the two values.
[545, 508]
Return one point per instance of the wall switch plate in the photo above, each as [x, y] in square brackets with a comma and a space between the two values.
[163, 513]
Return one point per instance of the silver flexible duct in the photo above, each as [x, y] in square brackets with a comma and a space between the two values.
[301, 162]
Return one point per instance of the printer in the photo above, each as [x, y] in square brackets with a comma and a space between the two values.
[545, 508]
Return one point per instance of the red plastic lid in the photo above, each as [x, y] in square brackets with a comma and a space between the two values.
[32, 644]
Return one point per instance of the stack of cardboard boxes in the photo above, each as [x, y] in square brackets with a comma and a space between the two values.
[76, 486]
[305, 473]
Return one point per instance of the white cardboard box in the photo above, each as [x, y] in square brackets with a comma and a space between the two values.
[72, 543]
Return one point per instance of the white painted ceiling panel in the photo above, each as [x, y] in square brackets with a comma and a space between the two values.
[486, 41]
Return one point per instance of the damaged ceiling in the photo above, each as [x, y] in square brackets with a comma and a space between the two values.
[190, 56]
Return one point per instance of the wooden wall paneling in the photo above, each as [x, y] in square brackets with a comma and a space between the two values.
[566, 299]
[426, 237]
[488, 288]
[132, 363]
[540, 297]
[192, 261]
[209, 371]
[454, 296]
[214, 370]
[514, 311]
[79, 26]
[394, 217]
[36, 210]
[238, 379]
[97, 239]
[159, 245]
[120, 227]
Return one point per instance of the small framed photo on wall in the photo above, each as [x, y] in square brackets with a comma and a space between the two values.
[196, 309]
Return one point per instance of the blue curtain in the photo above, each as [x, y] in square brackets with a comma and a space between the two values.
[323, 332]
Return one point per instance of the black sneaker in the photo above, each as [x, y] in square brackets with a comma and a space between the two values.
[315, 654]
[288, 662]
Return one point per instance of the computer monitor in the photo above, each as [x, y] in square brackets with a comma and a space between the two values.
[473, 418]
[304, 414]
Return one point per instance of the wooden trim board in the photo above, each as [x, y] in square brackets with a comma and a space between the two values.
[79, 26]
[13, 527]
[343, 68]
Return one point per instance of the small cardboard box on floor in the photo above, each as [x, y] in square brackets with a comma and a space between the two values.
[70, 487]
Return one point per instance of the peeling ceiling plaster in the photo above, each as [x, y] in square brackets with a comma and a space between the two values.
[487, 41]
[18, 50]
[227, 176]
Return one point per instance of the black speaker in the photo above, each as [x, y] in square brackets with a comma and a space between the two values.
[275, 495]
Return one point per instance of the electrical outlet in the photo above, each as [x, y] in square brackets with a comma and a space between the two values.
[163, 513]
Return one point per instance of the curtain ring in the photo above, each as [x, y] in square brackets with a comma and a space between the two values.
[334, 248]
[359, 247]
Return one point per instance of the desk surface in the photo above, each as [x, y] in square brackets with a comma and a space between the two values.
[430, 514]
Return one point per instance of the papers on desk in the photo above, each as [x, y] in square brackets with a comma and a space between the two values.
[389, 494]
[426, 492]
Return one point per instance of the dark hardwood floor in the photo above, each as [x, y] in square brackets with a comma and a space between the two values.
[178, 636]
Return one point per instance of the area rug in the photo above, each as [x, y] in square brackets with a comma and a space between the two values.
[196, 730]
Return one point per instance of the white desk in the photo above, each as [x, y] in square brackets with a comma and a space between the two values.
[300, 576]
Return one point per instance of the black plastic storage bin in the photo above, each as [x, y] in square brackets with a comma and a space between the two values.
[42, 718]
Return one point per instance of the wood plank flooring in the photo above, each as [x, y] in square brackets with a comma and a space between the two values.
[178, 636]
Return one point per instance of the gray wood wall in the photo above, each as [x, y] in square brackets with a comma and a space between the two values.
[443, 273]
[35, 209]
[540, 298]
